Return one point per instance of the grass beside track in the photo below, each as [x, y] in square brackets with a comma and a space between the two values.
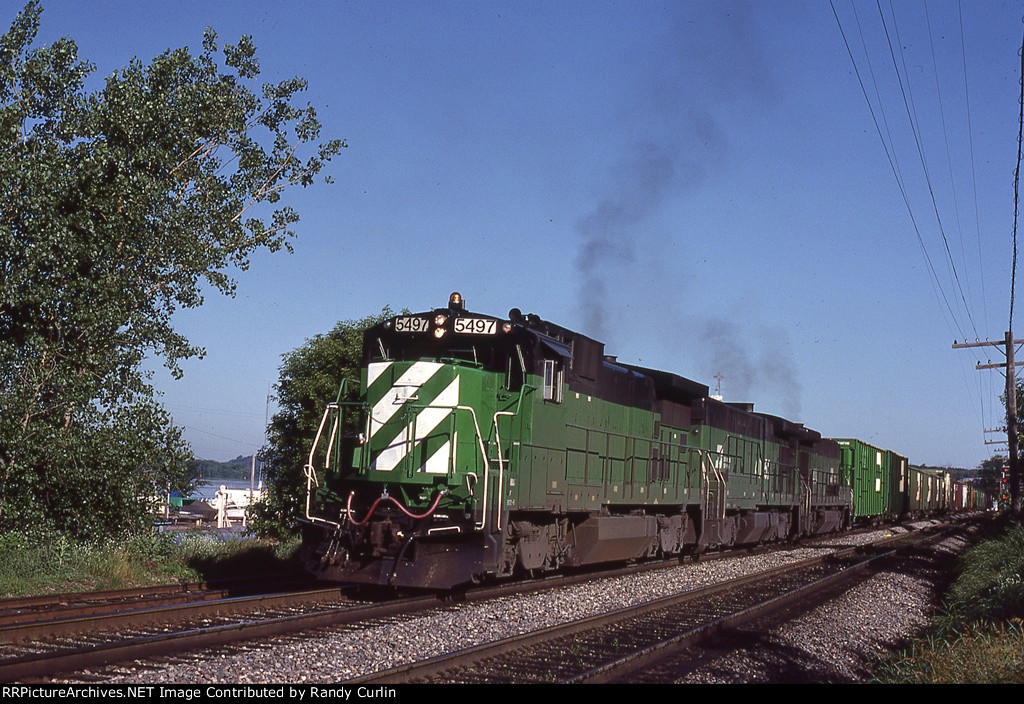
[42, 563]
[978, 634]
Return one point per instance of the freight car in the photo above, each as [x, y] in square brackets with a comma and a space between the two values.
[474, 447]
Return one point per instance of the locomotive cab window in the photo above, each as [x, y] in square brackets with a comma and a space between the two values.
[553, 380]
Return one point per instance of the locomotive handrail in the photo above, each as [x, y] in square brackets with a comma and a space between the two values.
[501, 464]
[805, 499]
[342, 388]
[705, 485]
[310, 470]
[522, 393]
[330, 441]
[480, 442]
[311, 474]
[720, 499]
[720, 496]
[501, 460]
[497, 439]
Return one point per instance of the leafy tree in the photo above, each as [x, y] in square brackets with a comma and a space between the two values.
[310, 379]
[990, 474]
[120, 206]
[1013, 487]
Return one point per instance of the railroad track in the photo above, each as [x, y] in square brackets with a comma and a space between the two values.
[42, 637]
[44, 648]
[80, 604]
[79, 645]
[646, 638]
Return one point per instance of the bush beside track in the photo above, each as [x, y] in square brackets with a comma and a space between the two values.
[41, 562]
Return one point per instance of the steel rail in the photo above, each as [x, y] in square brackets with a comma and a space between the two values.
[227, 586]
[38, 665]
[624, 665]
[134, 618]
[469, 656]
[68, 660]
[92, 655]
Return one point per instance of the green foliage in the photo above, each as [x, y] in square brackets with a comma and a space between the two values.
[980, 654]
[121, 205]
[215, 559]
[40, 561]
[309, 379]
[990, 586]
[238, 468]
[990, 473]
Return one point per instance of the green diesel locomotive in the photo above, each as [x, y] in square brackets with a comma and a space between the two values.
[475, 447]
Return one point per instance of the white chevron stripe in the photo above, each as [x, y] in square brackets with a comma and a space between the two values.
[407, 385]
[391, 455]
[374, 370]
[426, 422]
[437, 463]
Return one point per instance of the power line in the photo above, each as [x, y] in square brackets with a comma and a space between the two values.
[878, 94]
[945, 136]
[920, 151]
[207, 432]
[896, 175]
[892, 156]
[974, 171]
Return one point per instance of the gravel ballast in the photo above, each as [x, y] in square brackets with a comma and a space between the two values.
[842, 640]
[838, 639]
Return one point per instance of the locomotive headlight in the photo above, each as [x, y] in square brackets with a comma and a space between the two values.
[507, 327]
[438, 333]
[440, 320]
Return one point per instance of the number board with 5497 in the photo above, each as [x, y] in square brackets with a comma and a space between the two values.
[475, 326]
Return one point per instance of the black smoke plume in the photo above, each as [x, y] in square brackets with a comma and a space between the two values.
[710, 59]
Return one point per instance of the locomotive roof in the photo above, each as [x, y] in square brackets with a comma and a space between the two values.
[788, 428]
[587, 353]
[672, 387]
[585, 350]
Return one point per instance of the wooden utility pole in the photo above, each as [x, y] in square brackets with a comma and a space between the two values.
[1011, 427]
[1011, 409]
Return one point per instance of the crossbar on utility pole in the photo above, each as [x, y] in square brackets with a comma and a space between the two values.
[996, 365]
[1010, 365]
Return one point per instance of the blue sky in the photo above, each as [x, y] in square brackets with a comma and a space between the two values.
[699, 185]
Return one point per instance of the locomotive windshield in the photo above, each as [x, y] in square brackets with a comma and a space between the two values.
[486, 354]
